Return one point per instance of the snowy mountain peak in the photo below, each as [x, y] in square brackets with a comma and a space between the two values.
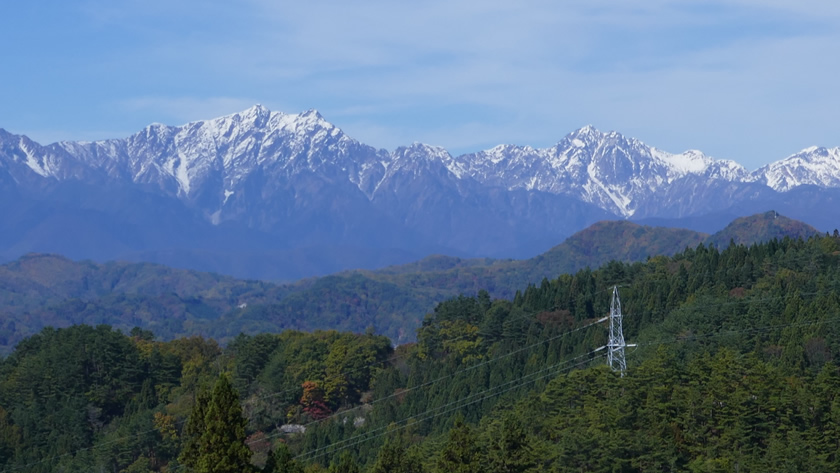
[258, 109]
[812, 166]
[426, 148]
[584, 136]
[156, 127]
[587, 130]
[421, 152]
[687, 162]
[217, 164]
[313, 114]
[260, 118]
[257, 114]
[609, 170]
[304, 123]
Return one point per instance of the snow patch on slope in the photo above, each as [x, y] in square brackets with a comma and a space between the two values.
[205, 162]
[811, 166]
[32, 160]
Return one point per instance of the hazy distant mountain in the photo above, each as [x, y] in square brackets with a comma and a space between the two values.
[39, 290]
[283, 196]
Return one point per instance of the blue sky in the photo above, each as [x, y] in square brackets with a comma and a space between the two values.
[748, 80]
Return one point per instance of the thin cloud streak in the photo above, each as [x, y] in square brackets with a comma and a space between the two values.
[742, 79]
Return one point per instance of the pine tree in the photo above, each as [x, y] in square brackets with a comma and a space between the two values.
[344, 464]
[461, 453]
[508, 447]
[193, 430]
[216, 429]
[390, 456]
[396, 456]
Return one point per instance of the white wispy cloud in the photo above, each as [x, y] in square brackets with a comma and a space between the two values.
[743, 79]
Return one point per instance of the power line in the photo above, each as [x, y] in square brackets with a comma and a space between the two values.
[749, 301]
[722, 333]
[411, 420]
[423, 416]
[183, 421]
[460, 371]
[525, 315]
[756, 261]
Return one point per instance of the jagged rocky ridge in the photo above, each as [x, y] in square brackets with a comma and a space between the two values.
[258, 186]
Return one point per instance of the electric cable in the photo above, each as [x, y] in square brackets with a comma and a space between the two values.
[415, 419]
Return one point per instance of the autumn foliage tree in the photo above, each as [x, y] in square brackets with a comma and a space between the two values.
[312, 400]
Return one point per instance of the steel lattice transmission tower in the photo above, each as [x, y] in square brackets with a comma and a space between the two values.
[616, 345]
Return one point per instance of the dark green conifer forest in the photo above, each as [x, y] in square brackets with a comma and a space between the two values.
[734, 369]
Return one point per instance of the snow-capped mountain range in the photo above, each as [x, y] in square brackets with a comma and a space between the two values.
[301, 179]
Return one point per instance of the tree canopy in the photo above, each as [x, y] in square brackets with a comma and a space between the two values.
[735, 368]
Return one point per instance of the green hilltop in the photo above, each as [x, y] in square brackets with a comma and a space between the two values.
[761, 227]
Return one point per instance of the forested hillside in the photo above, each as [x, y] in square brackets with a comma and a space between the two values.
[590, 248]
[734, 370]
[47, 290]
